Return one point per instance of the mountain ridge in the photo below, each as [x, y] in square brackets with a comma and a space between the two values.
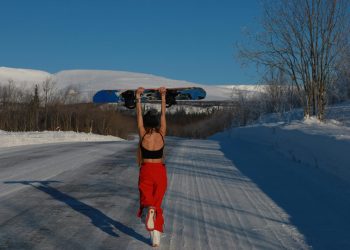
[89, 81]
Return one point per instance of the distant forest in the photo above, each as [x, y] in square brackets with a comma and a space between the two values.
[47, 108]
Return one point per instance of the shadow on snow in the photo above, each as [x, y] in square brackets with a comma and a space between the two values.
[317, 202]
[98, 219]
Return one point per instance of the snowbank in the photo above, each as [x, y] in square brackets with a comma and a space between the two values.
[325, 146]
[339, 112]
[11, 139]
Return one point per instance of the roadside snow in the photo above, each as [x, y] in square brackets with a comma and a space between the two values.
[339, 113]
[323, 145]
[12, 139]
[303, 166]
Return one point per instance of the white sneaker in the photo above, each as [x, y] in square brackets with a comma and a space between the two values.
[155, 238]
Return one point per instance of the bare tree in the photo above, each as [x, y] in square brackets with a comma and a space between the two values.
[8, 93]
[70, 94]
[275, 91]
[278, 95]
[304, 39]
[48, 88]
[244, 106]
[343, 81]
[34, 109]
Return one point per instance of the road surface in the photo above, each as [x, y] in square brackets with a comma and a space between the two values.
[85, 196]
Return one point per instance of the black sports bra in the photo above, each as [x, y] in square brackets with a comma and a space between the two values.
[151, 154]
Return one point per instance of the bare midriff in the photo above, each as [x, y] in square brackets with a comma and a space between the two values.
[153, 160]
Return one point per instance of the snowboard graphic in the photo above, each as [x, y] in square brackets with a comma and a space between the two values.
[128, 96]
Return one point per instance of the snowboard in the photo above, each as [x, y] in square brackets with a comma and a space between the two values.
[149, 95]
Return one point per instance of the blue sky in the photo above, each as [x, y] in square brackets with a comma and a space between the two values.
[179, 39]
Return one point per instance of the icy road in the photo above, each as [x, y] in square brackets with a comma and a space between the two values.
[85, 196]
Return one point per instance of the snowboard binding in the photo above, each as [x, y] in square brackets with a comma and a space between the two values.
[170, 97]
[129, 99]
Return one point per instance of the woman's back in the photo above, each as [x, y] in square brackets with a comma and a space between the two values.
[152, 141]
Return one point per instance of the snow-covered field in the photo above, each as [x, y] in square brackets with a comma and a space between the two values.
[87, 82]
[12, 139]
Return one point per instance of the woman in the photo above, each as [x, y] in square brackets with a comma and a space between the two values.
[152, 178]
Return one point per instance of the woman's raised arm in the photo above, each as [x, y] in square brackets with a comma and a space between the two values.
[140, 126]
[162, 130]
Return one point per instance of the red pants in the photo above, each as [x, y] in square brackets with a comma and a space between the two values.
[152, 187]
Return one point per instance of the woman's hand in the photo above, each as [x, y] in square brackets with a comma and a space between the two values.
[139, 91]
[162, 91]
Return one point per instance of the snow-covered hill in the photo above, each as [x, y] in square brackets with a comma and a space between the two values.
[23, 78]
[87, 82]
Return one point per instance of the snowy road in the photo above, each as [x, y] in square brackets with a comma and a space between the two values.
[84, 196]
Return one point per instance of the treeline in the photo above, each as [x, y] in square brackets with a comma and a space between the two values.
[199, 125]
[67, 117]
[45, 108]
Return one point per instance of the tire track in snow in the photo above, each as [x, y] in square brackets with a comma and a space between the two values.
[225, 214]
[217, 206]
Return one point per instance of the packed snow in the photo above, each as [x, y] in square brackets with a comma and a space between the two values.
[12, 139]
[87, 82]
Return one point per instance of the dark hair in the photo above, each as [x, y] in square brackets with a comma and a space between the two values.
[151, 119]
